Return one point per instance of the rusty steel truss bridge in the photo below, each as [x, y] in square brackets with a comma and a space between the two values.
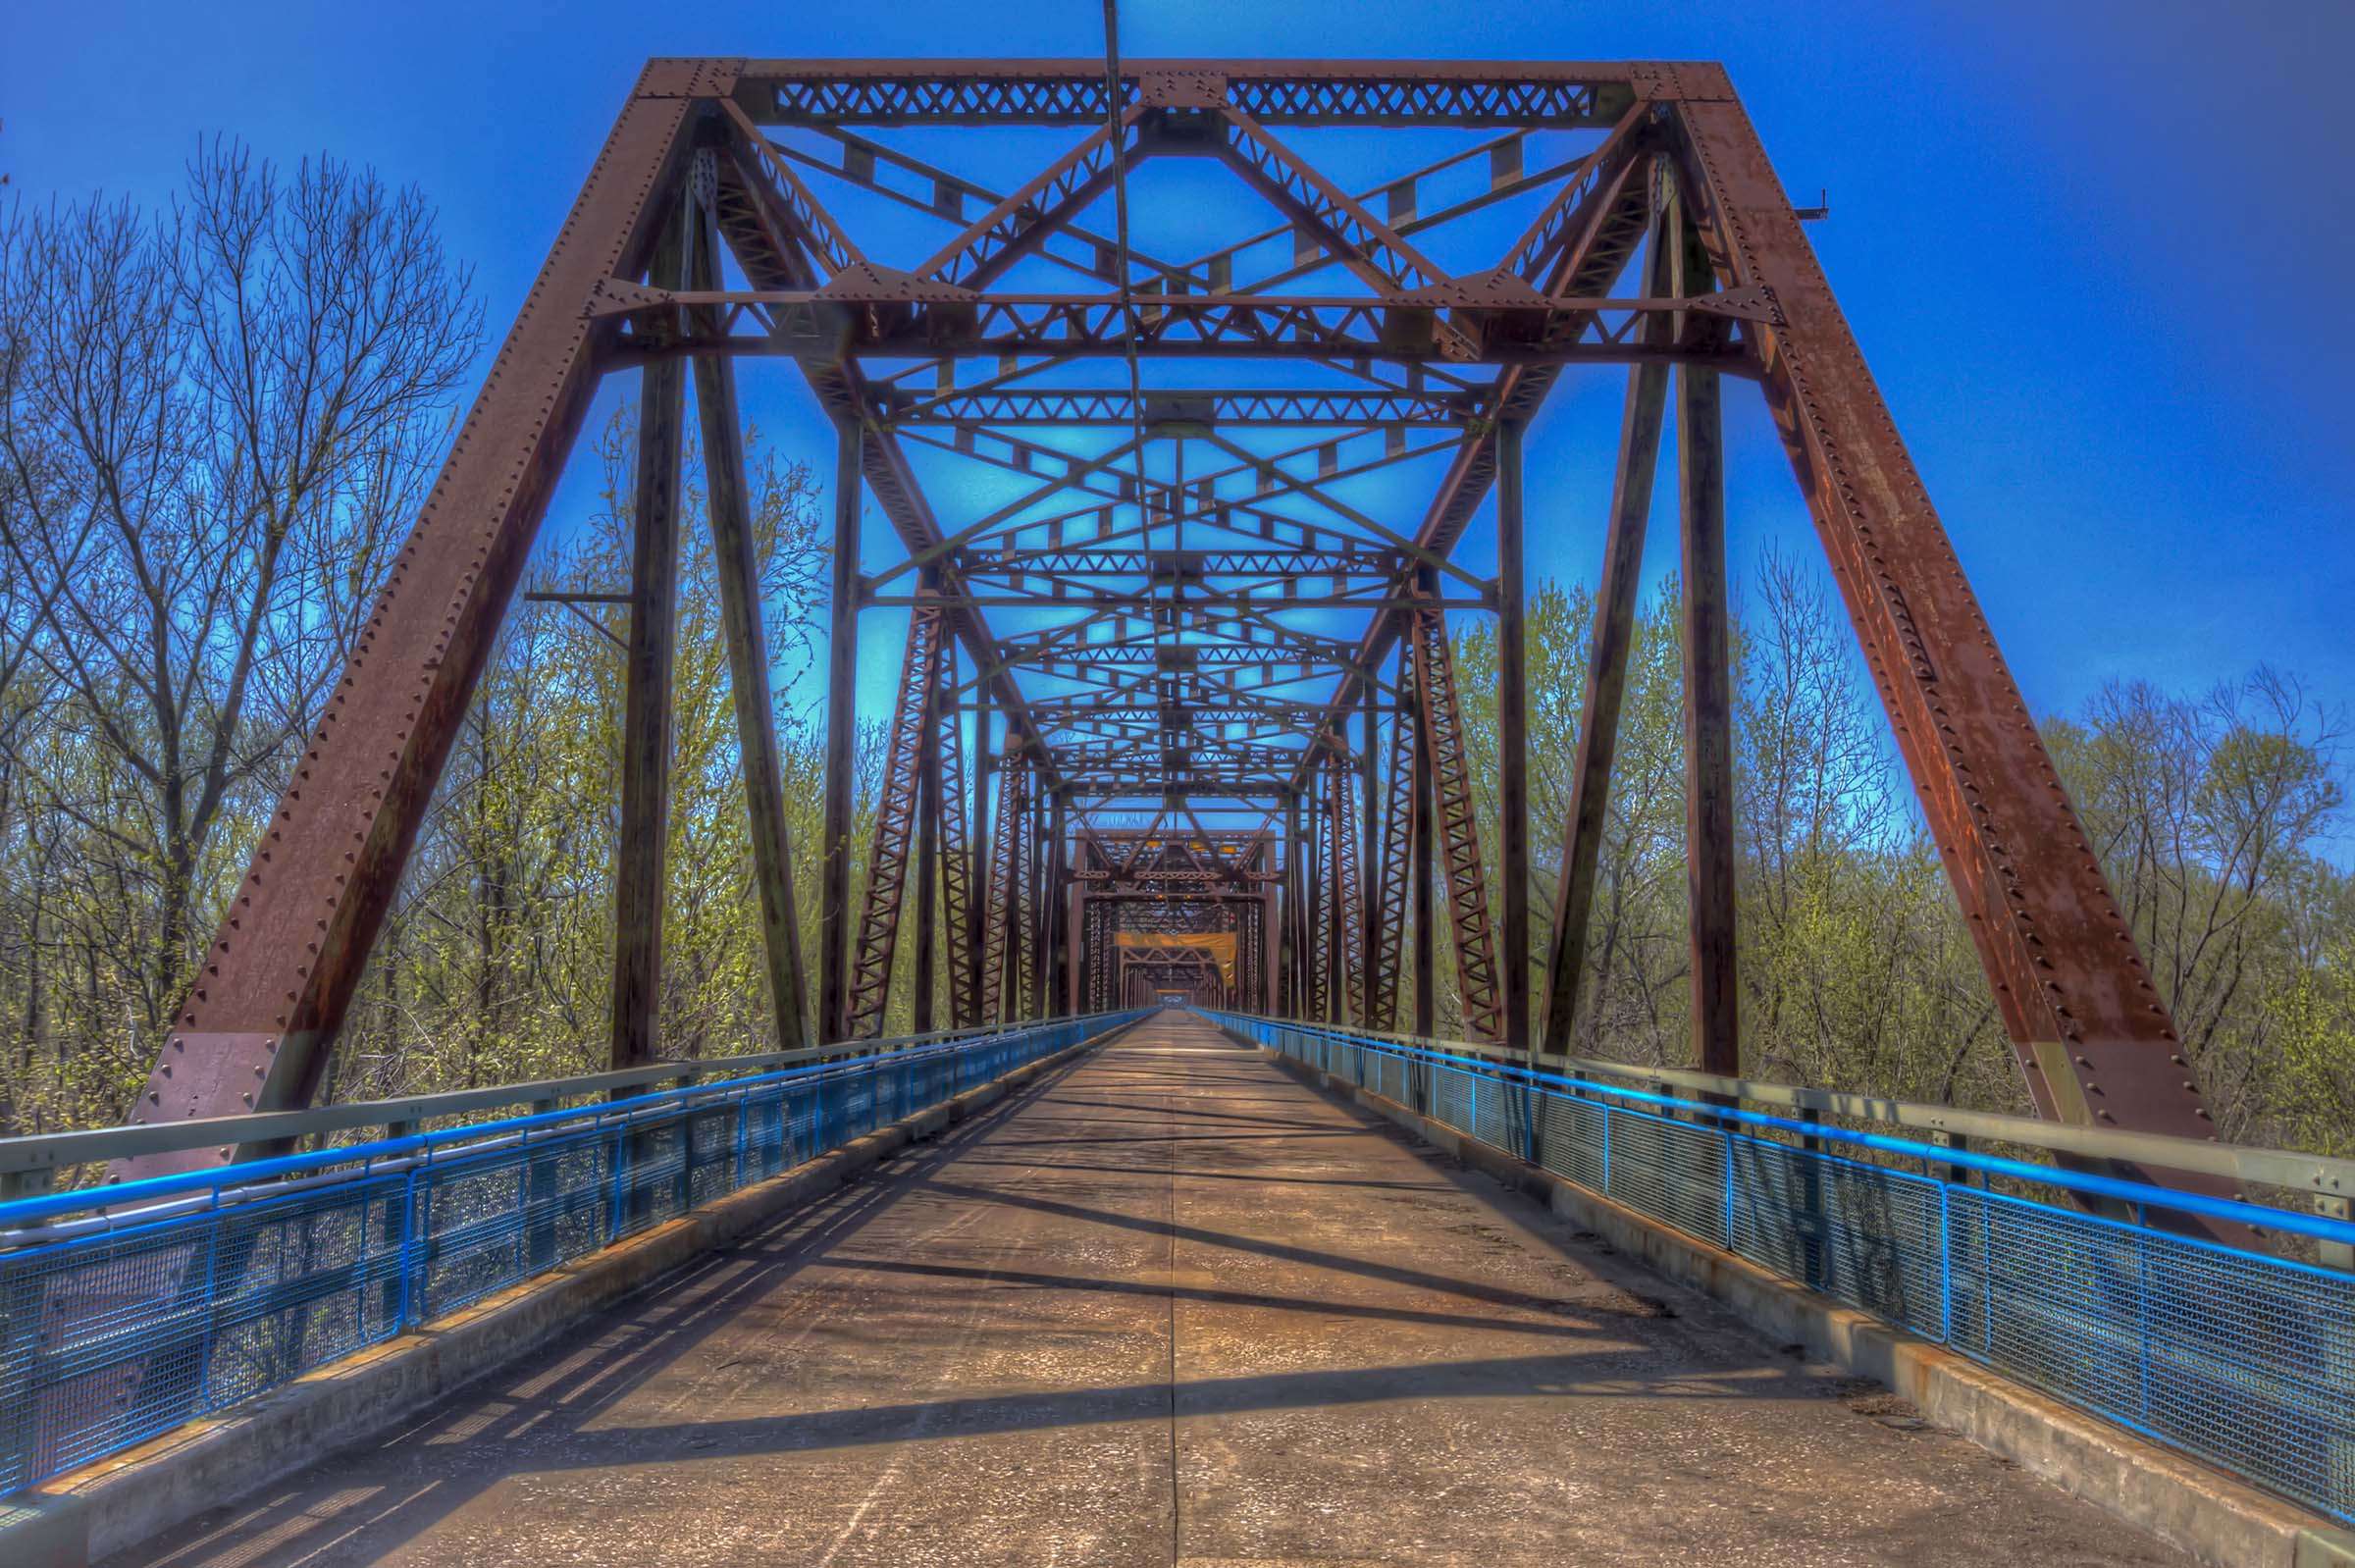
[1179, 710]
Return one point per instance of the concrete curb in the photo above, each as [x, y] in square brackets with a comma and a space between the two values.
[2205, 1512]
[95, 1511]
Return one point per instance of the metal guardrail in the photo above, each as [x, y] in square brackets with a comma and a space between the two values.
[2240, 1358]
[26, 1163]
[128, 1310]
[2331, 1180]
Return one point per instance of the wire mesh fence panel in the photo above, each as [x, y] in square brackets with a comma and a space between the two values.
[802, 1123]
[1885, 1243]
[109, 1338]
[1451, 1098]
[711, 1149]
[298, 1285]
[656, 1175]
[1570, 1138]
[1495, 1116]
[2244, 1359]
[570, 1189]
[1672, 1170]
[106, 1344]
[767, 1136]
[1776, 1208]
[1868, 1235]
[858, 1105]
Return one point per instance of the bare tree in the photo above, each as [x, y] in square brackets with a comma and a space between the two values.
[2208, 814]
[215, 422]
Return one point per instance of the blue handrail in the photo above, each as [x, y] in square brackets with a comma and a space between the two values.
[2321, 1228]
[18, 1213]
[2239, 1357]
[128, 1310]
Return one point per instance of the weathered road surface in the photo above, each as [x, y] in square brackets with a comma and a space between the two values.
[1168, 1307]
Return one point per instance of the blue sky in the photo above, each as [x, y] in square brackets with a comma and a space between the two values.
[2089, 249]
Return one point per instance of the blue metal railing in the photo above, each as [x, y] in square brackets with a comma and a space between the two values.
[128, 1310]
[2243, 1359]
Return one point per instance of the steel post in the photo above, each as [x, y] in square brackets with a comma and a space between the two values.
[1512, 740]
[643, 845]
[842, 734]
[737, 566]
[1708, 704]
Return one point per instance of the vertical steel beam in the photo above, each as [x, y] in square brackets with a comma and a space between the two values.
[1368, 815]
[1347, 915]
[1318, 942]
[1100, 941]
[1073, 950]
[1051, 903]
[1333, 928]
[1003, 934]
[1265, 1000]
[842, 734]
[982, 922]
[925, 973]
[738, 568]
[1023, 893]
[1425, 913]
[1709, 696]
[905, 747]
[643, 848]
[958, 873]
[1512, 737]
[1608, 657]
[1290, 1002]
[1386, 920]
[1455, 829]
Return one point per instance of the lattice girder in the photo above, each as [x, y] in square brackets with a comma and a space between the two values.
[1193, 616]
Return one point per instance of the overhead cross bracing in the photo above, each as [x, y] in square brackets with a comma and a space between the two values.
[1175, 498]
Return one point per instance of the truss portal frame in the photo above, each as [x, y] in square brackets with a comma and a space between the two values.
[1196, 610]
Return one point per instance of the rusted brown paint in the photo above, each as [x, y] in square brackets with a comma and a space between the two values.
[279, 975]
[2080, 1010]
[1708, 715]
[1608, 649]
[2092, 1034]
[642, 847]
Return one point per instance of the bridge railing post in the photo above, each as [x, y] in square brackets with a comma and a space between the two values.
[1811, 1214]
[2335, 1254]
[540, 1199]
[417, 1242]
[617, 1165]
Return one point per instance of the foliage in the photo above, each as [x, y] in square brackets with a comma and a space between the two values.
[216, 421]
[2209, 816]
[496, 963]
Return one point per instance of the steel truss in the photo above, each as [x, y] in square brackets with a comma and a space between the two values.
[1457, 836]
[909, 755]
[1209, 598]
[1394, 862]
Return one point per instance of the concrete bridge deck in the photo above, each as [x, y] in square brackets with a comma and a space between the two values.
[1167, 1307]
